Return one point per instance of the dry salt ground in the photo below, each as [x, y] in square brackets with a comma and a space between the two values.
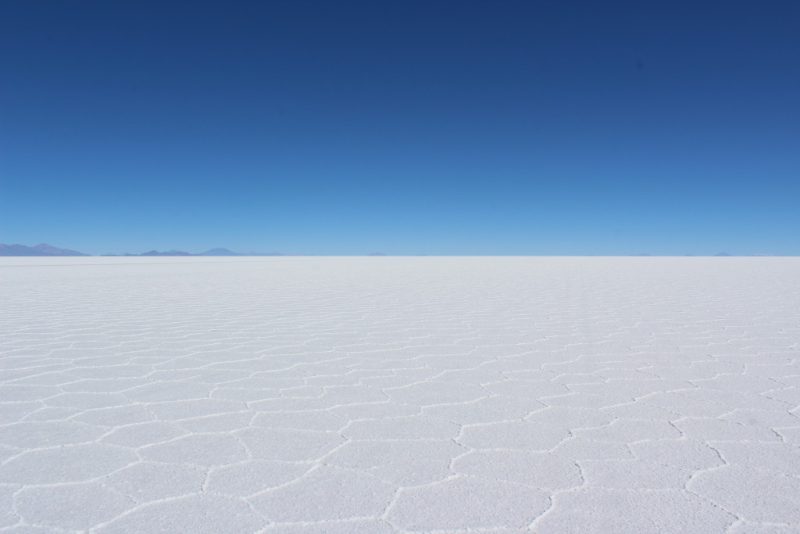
[399, 395]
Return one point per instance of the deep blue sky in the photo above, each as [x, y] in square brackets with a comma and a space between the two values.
[404, 127]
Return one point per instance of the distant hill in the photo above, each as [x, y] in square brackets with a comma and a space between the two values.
[228, 252]
[211, 252]
[219, 252]
[42, 249]
[167, 253]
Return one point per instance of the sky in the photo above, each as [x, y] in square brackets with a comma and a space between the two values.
[407, 127]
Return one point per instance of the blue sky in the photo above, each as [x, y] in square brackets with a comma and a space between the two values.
[402, 127]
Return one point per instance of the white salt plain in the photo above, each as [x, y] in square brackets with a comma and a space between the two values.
[378, 395]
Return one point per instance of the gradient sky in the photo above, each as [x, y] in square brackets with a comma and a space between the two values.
[406, 127]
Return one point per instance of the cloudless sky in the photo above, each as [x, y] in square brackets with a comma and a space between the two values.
[405, 127]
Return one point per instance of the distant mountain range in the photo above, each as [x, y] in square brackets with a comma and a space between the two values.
[41, 249]
[44, 249]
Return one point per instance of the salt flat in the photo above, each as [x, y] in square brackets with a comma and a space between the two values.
[377, 395]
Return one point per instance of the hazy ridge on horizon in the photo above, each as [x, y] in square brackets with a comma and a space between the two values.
[45, 250]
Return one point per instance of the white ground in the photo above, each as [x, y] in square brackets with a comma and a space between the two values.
[376, 395]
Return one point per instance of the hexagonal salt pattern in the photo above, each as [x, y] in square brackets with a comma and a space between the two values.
[400, 395]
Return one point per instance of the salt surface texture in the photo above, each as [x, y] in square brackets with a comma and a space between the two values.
[376, 395]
